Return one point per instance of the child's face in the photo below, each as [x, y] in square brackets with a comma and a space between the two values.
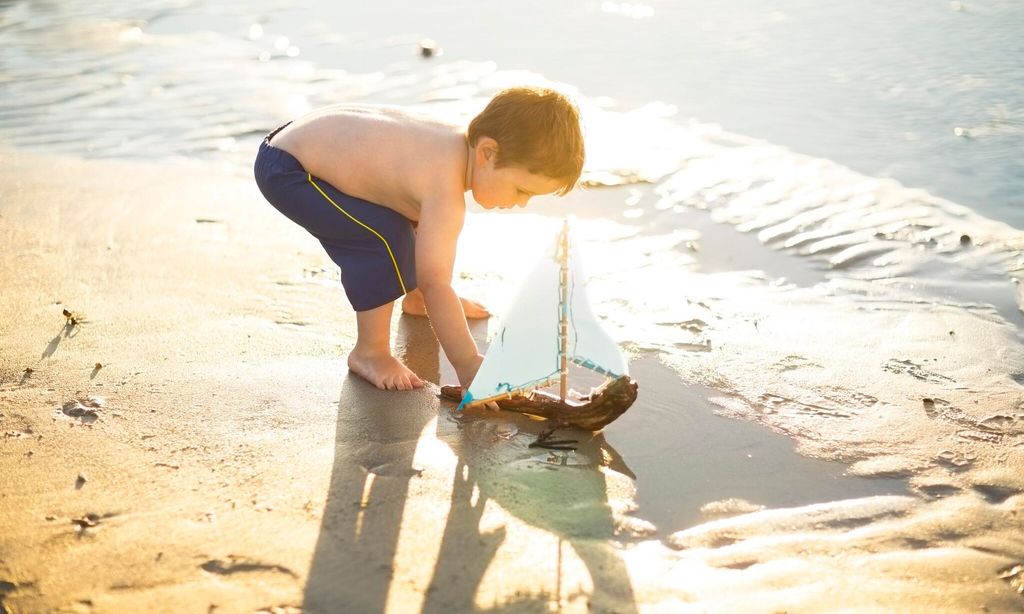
[505, 187]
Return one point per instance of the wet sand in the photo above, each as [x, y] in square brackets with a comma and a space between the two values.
[194, 440]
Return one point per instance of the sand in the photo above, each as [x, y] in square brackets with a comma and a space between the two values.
[194, 443]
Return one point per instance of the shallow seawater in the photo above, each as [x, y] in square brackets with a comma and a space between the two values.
[685, 458]
[890, 91]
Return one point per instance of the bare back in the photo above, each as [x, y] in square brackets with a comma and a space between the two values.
[381, 154]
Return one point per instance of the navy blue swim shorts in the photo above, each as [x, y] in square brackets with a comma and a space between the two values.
[373, 245]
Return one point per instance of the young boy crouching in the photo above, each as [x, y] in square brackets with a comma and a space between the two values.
[383, 190]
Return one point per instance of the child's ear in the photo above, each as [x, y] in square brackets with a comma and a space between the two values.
[486, 149]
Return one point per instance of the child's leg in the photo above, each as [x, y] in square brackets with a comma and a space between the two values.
[413, 305]
[371, 357]
[374, 246]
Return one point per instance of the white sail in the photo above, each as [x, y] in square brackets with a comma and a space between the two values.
[589, 344]
[524, 353]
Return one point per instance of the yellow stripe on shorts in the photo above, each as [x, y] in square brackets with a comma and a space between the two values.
[336, 206]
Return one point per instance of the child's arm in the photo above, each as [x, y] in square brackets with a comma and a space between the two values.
[436, 236]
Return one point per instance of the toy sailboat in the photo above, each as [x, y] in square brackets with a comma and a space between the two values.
[549, 325]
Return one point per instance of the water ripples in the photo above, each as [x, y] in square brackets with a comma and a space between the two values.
[76, 83]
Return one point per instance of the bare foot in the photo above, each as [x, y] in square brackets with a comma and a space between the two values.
[383, 371]
[413, 305]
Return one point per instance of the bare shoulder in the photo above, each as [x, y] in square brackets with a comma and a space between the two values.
[336, 124]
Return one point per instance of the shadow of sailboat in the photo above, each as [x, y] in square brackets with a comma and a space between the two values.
[562, 493]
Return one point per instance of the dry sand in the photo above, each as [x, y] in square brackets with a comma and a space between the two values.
[221, 458]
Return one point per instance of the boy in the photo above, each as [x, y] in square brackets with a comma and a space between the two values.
[383, 190]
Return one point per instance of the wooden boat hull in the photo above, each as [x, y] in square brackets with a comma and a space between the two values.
[590, 413]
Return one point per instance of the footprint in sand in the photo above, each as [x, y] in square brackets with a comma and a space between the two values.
[941, 409]
[793, 362]
[1009, 425]
[86, 410]
[954, 461]
[894, 365]
[847, 398]
[778, 404]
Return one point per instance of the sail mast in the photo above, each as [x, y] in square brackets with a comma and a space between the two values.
[563, 307]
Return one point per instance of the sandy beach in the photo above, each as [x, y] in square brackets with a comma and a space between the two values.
[193, 443]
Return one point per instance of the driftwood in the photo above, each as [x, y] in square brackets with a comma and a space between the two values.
[590, 413]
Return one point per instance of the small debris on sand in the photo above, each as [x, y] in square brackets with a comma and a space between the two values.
[1015, 576]
[72, 318]
[429, 48]
[86, 522]
[80, 481]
